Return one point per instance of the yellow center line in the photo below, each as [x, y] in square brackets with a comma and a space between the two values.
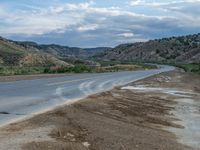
[71, 81]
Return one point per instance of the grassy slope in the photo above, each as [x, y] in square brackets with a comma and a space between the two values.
[10, 54]
[16, 59]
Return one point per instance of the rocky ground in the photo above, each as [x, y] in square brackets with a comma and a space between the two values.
[150, 114]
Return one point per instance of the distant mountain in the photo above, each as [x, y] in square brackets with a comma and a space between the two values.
[183, 49]
[63, 51]
[33, 54]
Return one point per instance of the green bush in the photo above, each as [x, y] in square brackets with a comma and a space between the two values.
[81, 69]
[70, 69]
[190, 67]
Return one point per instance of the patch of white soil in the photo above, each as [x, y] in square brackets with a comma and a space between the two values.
[173, 92]
[187, 111]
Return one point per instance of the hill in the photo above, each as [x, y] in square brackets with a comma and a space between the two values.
[31, 58]
[183, 49]
[63, 51]
[55, 58]
[14, 54]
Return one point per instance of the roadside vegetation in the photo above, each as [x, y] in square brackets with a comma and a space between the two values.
[78, 68]
[16, 70]
[190, 67]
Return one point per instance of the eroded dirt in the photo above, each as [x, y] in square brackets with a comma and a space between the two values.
[118, 119]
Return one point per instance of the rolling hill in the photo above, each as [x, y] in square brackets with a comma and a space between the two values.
[32, 54]
[63, 51]
[12, 54]
[183, 49]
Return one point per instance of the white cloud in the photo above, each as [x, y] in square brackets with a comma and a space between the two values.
[58, 18]
[87, 27]
[106, 25]
[137, 2]
[127, 35]
[185, 11]
[159, 3]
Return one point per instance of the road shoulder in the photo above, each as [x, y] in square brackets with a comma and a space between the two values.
[29, 77]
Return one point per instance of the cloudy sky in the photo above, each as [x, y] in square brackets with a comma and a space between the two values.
[92, 23]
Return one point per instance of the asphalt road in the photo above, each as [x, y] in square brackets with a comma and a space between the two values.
[21, 99]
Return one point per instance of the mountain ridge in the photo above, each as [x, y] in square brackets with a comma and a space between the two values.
[182, 49]
[19, 53]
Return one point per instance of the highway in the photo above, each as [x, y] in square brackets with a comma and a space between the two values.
[22, 99]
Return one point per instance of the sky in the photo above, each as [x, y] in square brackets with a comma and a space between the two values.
[94, 23]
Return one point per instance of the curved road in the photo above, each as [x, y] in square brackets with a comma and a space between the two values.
[21, 99]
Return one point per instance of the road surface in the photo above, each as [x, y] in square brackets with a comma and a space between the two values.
[22, 99]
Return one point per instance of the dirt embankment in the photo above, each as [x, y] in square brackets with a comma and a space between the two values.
[121, 119]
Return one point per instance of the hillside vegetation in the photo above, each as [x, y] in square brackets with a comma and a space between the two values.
[31, 58]
[190, 67]
[13, 54]
[178, 50]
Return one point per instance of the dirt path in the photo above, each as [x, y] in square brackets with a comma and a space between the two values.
[140, 116]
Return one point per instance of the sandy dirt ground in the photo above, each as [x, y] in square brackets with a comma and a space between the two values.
[144, 115]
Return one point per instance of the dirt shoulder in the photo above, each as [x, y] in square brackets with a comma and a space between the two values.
[137, 117]
[29, 77]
